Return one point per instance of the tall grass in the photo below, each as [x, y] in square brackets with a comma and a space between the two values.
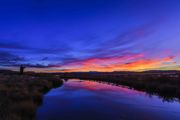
[21, 94]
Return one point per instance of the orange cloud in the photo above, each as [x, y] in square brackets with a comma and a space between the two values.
[137, 63]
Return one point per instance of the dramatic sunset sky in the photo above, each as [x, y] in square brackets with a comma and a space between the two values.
[90, 35]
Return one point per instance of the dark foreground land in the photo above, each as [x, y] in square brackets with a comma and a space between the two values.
[165, 84]
[20, 95]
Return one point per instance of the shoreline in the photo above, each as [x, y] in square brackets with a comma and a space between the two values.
[164, 86]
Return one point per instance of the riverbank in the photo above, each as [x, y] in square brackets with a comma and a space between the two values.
[20, 95]
[164, 84]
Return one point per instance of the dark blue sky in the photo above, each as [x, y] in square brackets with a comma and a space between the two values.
[88, 35]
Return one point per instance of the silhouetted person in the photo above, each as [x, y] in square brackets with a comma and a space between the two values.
[22, 69]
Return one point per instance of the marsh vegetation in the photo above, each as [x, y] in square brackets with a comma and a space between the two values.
[20, 95]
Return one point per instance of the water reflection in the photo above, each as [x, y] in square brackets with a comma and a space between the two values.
[90, 100]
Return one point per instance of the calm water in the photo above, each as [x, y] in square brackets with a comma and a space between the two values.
[88, 100]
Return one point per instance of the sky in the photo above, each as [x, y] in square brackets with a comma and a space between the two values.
[90, 35]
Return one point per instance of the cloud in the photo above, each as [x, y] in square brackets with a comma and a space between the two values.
[98, 61]
[128, 41]
[21, 47]
[15, 54]
[130, 36]
[11, 60]
[120, 53]
[125, 62]
[135, 65]
[35, 66]
[8, 59]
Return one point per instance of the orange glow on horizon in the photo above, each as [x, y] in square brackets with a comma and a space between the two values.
[117, 64]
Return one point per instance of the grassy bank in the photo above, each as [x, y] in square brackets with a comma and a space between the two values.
[20, 95]
[165, 85]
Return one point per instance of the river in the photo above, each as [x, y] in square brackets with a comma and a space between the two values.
[90, 100]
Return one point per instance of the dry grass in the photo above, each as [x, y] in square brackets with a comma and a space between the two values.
[21, 94]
